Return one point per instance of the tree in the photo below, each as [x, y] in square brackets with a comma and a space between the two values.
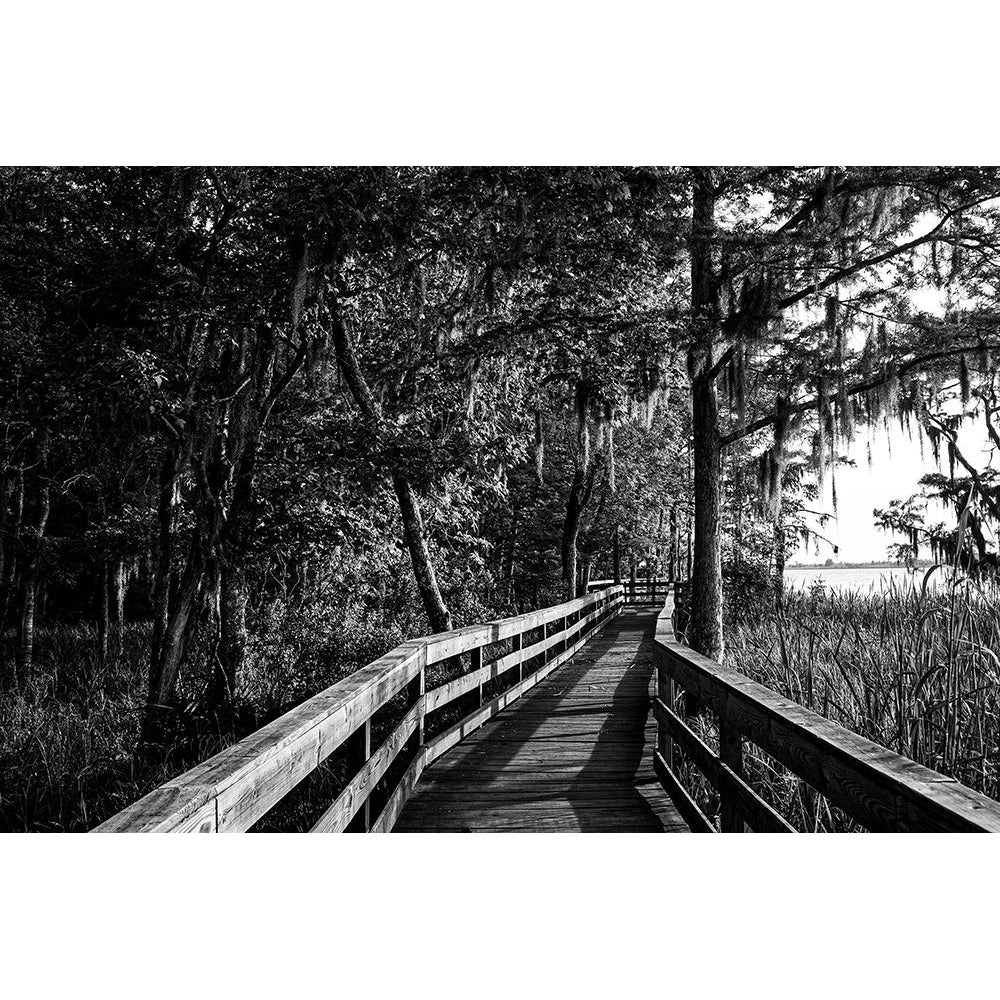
[764, 241]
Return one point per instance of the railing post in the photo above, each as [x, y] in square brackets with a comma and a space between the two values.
[359, 749]
[416, 690]
[476, 658]
[516, 645]
[665, 691]
[731, 754]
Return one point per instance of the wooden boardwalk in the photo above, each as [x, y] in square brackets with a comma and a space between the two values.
[574, 754]
[569, 744]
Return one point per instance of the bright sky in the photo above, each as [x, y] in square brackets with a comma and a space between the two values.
[894, 475]
[895, 472]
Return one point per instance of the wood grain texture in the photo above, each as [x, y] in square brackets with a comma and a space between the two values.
[354, 797]
[574, 753]
[245, 780]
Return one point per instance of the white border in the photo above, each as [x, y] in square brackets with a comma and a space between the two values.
[458, 82]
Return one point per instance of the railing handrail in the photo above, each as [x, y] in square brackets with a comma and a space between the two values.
[639, 591]
[877, 787]
[237, 786]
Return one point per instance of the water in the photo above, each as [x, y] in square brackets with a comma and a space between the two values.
[863, 579]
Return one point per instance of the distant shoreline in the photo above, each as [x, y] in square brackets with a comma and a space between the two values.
[919, 564]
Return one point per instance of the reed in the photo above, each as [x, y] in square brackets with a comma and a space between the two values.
[914, 668]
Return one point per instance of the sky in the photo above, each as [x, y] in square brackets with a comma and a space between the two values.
[897, 465]
[894, 474]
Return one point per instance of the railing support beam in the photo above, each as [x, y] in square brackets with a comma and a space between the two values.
[731, 754]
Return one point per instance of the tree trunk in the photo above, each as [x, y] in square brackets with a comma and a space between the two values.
[233, 599]
[423, 569]
[234, 588]
[584, 577]
[580, 494]
[116, 607]
[11, 562]
[32, 567]
[26, 625]
[674, 545]
[616, 555]
[6, 490]
[165, 670]
[413, 524]
[570, 536]
[507, 566]
[163, 571]
[704, 632]
[103, 610]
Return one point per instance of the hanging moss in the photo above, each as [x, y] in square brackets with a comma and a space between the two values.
[964, 379]
[983, 361]
[762, 475]
[934, 437]
[869, 353]
[845, 411]
[831, 317]
[883, 336]
[956, 252]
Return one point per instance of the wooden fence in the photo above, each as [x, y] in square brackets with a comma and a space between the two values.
[879, 789]
[235, 788]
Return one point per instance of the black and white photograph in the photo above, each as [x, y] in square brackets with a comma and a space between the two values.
[424, 426]
[501, 499]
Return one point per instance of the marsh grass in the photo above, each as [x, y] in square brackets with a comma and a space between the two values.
[913, 668]
[69, 731]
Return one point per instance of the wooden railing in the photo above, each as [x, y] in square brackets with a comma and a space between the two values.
[237, 787]
[639, 591]
[879, 789]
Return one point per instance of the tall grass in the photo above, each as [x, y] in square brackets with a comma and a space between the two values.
[69, 731]
[914, 668]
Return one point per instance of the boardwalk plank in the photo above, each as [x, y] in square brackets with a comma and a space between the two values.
[575, 753]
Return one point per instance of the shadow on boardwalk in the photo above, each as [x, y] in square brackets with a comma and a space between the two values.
[572, 755]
